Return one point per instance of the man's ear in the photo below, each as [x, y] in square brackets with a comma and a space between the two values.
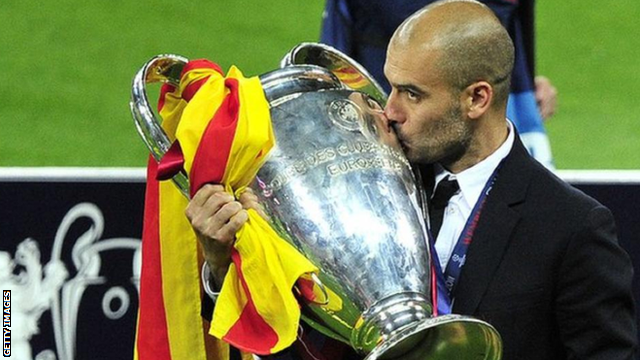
[478, 99]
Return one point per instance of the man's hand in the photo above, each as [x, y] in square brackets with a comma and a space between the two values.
[249, 200]
[546, 97]
[216, 217]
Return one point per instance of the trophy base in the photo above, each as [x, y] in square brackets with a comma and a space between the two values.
[442, 337]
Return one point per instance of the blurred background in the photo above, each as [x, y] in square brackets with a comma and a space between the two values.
[67, 68]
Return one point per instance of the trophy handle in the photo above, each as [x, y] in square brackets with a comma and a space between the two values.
[345, 68]
[164, 68]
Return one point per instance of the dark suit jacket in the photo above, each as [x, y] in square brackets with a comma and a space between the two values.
[546, 270]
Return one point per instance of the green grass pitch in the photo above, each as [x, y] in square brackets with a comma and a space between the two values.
[67, 68]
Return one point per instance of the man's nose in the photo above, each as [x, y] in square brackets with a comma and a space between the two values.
[393, 111]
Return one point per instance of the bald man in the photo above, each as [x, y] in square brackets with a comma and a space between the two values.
[362, 29]
[543, 264]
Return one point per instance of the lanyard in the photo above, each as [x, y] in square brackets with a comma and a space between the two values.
[447, 280]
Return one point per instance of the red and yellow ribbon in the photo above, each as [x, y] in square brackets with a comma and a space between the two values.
[221, 128]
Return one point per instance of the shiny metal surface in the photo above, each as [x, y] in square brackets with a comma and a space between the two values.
[345, 68]
[162, 68]
[338, 188]
[343, 193]
[279, 85]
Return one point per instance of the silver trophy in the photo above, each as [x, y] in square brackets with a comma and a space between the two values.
[339, 189]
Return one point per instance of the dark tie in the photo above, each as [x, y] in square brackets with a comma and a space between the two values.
[444, 191]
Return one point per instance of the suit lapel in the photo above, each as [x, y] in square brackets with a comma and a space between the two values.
[493, 234]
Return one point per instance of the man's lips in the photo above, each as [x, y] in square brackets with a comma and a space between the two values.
[402, 140]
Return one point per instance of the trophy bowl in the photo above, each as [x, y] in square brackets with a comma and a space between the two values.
[338, 187]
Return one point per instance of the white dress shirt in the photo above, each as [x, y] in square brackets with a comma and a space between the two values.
[471, 182]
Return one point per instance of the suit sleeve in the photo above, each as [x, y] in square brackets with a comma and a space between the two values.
[595, 307]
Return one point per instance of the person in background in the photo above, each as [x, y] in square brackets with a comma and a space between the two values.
[362, 29]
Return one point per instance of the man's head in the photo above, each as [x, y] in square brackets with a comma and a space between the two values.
[449, 65]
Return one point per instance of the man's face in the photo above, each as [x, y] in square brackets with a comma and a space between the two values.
[425, 112]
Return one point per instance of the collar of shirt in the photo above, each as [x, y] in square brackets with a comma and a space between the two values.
[471, 182]
[473, 179]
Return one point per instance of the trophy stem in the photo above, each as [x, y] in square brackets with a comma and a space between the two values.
[388, 316]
